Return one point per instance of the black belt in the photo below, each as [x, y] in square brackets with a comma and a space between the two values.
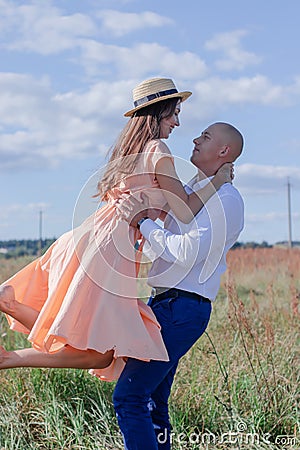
[159, 294]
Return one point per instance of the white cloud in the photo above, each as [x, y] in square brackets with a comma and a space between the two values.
[269, 172]
[139, 60]
[216, 94]
[235, 58]
[45, 29]
[22, 220]
[254, 179]
[271, 216]
[42, 28]
[103, 100]
[257, 89]
[120, 23]
[42, 128]
[39, 126]
[21, 209]
[270, 225]
[22, 96]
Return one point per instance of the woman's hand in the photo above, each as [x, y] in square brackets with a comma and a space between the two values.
[132, 209]
[225, 174]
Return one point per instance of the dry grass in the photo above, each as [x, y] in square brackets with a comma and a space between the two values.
[10, 266]
[238, 388]
[244, 372]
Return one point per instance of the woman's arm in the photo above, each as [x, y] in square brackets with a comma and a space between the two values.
[185, 206]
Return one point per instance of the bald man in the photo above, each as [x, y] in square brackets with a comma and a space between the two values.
[188, 261]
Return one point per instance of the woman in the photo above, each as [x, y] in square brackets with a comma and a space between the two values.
[79, 301]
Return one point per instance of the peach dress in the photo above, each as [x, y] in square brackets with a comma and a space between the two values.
[85, 285]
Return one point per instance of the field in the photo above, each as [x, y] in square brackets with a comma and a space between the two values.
[238, 388]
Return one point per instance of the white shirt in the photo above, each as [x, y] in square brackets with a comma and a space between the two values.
[192, 256]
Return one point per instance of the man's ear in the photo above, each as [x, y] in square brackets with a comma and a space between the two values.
[224, 151]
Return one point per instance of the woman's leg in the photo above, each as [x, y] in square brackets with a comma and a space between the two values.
[9, 305]
[68, 357]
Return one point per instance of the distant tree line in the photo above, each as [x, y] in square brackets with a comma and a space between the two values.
[30, 247]
[263, 244]
[24, 247]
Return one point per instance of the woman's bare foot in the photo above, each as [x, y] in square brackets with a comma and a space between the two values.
[8, 302]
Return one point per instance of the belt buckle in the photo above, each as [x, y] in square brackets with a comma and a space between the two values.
[154, 292]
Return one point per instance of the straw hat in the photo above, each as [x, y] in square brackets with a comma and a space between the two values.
[152, 91]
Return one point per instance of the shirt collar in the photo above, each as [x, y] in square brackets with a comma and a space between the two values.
[195, 183]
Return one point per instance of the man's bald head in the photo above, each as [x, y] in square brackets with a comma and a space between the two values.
[218, 144]
[232, 137]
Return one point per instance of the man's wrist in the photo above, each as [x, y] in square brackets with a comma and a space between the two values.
[139, 223]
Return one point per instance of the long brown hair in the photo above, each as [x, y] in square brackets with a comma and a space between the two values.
[139, 130]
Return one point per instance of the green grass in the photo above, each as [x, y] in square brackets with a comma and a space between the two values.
[238, 387]
[56, 409]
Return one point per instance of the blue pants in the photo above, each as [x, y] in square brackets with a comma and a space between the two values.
[143, 389]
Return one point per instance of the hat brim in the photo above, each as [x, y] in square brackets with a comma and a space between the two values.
[183, 95]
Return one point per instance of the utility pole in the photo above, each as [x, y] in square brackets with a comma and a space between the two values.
[290, 242]
[40, 232]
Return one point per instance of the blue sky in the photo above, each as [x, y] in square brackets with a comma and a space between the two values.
[67, 69]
